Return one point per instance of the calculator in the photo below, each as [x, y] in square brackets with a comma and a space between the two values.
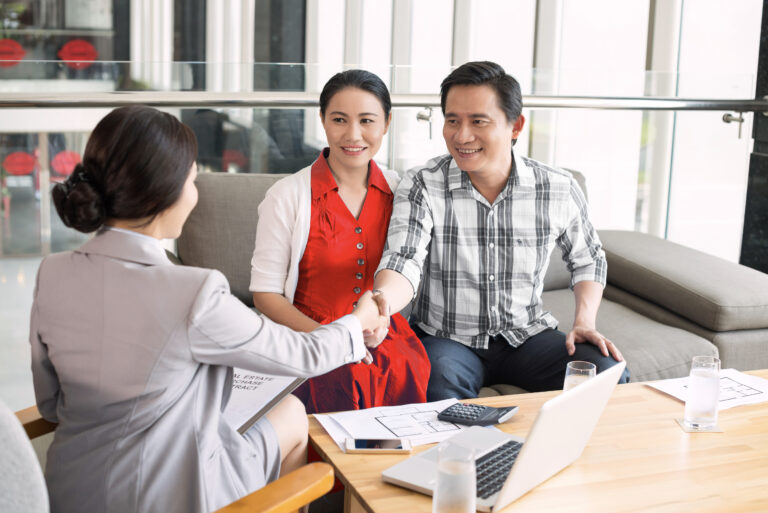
[476, 414]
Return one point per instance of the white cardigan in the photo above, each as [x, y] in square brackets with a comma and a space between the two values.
[282, 232]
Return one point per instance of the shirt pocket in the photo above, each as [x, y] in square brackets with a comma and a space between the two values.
[530, 254]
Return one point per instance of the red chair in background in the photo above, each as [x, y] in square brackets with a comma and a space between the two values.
[18, 163]
[63, 164]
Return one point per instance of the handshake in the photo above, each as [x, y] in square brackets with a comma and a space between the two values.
[372, 311]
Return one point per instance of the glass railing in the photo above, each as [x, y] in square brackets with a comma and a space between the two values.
[30, 76]
[665, 165]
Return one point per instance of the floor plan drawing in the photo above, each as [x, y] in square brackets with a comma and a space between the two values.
[736, 388]
[730, 389]
[414, 423]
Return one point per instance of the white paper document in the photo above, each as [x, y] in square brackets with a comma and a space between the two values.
[736, 388]
[416, 422]
[253, 395]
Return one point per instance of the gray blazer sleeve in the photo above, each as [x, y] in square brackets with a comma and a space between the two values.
[223, 331]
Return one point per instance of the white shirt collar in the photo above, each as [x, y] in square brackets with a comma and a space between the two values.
[135, 234]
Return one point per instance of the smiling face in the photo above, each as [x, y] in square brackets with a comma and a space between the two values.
[477, 132]
[354, 124]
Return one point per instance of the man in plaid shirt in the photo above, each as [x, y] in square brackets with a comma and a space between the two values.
[475, 229]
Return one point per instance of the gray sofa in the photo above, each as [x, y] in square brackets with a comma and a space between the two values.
[664, 303]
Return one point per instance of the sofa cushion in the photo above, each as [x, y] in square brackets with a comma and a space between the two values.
[652, 350]
[501, 389]
[221, 230]
[712, 292]
[739, 349]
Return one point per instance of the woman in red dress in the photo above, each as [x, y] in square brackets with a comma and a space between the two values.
[320, 236]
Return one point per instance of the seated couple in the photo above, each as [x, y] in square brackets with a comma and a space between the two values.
[132, 356]
[474, 229]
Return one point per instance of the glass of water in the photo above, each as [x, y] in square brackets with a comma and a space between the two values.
[456, 489]
[577, 372]
[703, 394]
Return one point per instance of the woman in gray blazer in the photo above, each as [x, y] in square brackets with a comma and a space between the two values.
[132, 356]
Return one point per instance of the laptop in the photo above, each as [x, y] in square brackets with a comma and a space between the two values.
[509, 466]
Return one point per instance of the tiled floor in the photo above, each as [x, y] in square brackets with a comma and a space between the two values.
[17, 279]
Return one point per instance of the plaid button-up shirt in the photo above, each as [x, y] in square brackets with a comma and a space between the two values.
[481, 266]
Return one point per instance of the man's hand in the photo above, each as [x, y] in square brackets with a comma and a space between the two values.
[373, 323]
[375, 337]
[588, 295]
[580, 334]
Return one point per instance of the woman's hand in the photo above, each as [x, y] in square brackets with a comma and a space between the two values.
[374, 323]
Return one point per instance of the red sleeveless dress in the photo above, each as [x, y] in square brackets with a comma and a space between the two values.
[341, 256]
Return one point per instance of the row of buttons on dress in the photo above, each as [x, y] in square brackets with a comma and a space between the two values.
[360, 261]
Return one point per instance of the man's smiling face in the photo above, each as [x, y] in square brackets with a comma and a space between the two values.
[477, 132]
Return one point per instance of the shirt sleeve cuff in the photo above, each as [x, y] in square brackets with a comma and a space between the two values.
[596, 273]
[358, 350]
[261, 282]
[408, 268]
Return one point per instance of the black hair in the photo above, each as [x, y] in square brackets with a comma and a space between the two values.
[491, 74]
[359, 79]
[135, 164]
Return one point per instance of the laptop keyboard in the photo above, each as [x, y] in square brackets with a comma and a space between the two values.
[493, 468]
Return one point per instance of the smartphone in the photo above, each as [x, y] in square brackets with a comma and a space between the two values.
[377, 446]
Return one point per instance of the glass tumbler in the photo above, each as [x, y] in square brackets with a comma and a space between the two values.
[577, 372]
[703, 394]
[456, 489]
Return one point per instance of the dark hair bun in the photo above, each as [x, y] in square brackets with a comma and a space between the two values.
[78, 203]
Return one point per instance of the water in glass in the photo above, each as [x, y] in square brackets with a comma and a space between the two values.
[577, 372]
[456, 488]
[703, 395]
[573, 380]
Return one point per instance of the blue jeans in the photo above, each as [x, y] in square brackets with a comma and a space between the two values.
[539, 364]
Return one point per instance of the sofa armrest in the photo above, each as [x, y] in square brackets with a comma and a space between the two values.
[712, 292]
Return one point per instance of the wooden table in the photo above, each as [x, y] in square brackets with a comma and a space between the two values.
[638, 460]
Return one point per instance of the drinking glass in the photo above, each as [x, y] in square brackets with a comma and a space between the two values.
[577, 372]
[703, 394]
[456, 489]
